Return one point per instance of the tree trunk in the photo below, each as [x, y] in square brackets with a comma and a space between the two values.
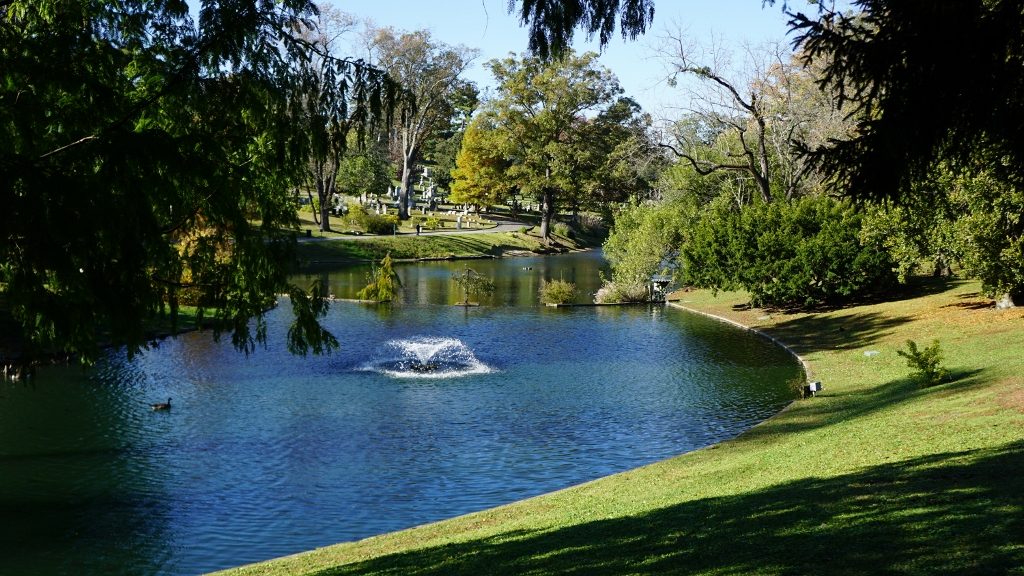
[1010, 299]
[323, 197]
[547, 211]
[403, 196]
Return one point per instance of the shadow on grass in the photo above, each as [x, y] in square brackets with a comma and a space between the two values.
[959, 512]
[835, 332]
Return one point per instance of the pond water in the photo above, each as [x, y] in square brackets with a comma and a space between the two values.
[427, 411]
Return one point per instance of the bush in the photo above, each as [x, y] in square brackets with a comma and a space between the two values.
[432, 222]
[381, 225]
[927, 362]
[614, 292]
[557, 292]
[473, 284]
[802, 253]
[561, 229]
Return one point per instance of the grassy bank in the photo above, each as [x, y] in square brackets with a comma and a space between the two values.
[875, 475]
[439, 246]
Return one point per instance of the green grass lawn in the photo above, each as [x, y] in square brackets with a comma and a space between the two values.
[875, 475]
[411, 247]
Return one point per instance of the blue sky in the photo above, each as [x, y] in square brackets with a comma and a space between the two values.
[486, 24]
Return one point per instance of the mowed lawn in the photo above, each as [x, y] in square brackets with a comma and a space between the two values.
[875, 475]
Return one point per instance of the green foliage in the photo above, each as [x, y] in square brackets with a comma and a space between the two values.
[805, 253]
[557, 292]
[926, 362]
[551, 30]
[138, 148]
[364, 171]
[990, 232]
[552, 154]
[358, 217]
[473, 284]
[645, 241]
[432, 222]
[382, 282]
[562, 229]
[479, 177]
[380, 224]
[967, 219]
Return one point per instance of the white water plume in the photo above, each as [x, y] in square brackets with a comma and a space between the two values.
[426, 357]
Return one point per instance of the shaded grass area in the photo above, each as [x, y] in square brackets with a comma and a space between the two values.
[875, 475]
[440, 246]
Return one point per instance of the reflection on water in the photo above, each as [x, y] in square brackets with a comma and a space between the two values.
[271, 454]
[517, 280]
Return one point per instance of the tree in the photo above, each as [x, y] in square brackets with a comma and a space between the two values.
[645, 241]
[804, 253]
[912, 115]
[430, 72]
[748, 123]
[364, 169]
[916, 122]
[142, 154]
[325, 111]
[541, 109]
[442, 149]
[479, 176]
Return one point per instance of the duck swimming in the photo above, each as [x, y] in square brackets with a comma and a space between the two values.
[161, 405]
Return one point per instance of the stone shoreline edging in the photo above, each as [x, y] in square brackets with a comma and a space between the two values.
[803, 363]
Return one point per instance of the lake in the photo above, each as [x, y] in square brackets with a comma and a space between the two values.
[428, 411]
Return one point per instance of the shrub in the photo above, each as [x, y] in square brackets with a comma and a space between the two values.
[926, 362]
[382, 283]
[381, 225]
[803, 253]
[432, 222]
[557, 292]
[473, 284]
[561, 229]
[613, 292]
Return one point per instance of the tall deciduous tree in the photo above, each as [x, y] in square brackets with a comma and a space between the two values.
[138, 148]
[479, 176]
[542, 107]
[330, 110]
[430, 72]
[748, 122]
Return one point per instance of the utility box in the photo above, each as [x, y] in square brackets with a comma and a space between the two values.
[812, 388]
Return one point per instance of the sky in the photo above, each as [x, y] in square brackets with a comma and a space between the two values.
[487, 25]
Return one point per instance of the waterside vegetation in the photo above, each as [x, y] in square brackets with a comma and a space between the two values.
[875, 474]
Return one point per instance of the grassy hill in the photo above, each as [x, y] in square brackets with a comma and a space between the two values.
[374, 248]
[875, 475]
